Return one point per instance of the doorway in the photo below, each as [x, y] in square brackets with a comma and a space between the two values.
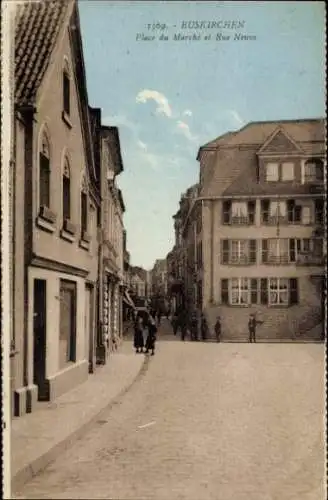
[40, 338]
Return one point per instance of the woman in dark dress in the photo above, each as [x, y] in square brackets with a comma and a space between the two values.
[138, 335]
[151, 337]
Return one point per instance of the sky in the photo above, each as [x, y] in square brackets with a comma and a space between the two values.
[169, 97]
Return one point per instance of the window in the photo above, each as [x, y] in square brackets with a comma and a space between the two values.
[294, 212]
[66, 92]
[272, 172]
[275, 251]
[319, 211]
[67, 330]
[278, 291]
[313, 170]
[44, 173]
[287, 171]
[273, 211]
[84, 209]
[238, 252]
[224, 291]
[239, 291]
[238, 212]
[266, 291]
[66, 192]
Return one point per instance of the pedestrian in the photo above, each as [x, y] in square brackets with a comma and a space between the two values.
[151, 337]
[138, 335]
[175, 323]
[217, 329]
[252, 328]
[159, 315]
[204, 327]
[194, 326]
[183, 323]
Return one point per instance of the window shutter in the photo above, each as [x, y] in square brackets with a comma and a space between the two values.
[293, 291]
[224, 251]
[251, 211]
[297, 215]
[252, 251]
[292, 252]
[253, 291]
[264, 251]
[226, 211]
[264, 291]
[224, 291]
[290, 210]
[265, 207]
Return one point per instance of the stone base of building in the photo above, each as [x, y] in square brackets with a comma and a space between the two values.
[67, 379]
[24, 400]
[296, 323]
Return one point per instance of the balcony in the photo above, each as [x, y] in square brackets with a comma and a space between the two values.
[239, 260]
[276, 260]
[274, 220]
[309, 259]
[241, 220]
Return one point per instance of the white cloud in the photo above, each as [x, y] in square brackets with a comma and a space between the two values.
[187, 112]
[236, 117]
[142, 145]
[183, 127]
[163, 106]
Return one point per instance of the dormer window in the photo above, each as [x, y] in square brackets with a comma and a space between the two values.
[272, 172]
[279, 172]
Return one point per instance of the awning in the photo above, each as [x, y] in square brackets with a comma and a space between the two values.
[127, 299]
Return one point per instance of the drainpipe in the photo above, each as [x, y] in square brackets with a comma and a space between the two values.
[28, 113]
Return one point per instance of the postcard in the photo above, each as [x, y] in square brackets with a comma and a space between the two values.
[164, 207]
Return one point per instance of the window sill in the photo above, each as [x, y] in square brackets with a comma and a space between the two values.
[67, 236]
[69, 227]
[86, 237]
[84, 244]
[66, 119]
[46, 220]
[48, 215]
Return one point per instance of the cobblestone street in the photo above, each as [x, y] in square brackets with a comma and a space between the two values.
[206, 421]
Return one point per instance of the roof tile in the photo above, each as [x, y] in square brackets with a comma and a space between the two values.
[37, 28]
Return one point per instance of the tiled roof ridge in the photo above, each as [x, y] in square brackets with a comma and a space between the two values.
[37, 28]
[228, 135]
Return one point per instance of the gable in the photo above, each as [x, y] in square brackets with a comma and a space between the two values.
[278, 143]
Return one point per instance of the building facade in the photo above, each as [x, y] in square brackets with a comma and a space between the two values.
[263, 242]
[55, 211]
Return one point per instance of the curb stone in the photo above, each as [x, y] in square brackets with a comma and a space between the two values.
[38, 465]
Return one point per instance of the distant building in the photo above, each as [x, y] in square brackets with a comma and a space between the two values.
[261, 245]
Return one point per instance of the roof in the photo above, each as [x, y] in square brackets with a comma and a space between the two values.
[37, 28]
[305, 130]
[114, 139]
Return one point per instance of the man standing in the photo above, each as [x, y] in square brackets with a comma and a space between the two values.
[252, 328]
[217, 329]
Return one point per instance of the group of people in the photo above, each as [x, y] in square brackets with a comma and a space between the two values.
[182, 321]
[145, 324]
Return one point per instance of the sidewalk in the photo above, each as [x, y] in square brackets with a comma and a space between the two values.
[39, 437]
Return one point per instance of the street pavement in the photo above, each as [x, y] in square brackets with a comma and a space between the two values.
[207, 421]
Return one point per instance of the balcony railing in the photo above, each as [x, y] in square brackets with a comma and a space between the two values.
[241, 220]
[309, 259]
[276, 259]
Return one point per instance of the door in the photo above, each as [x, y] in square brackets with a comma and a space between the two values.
[39, 336]
[67, 330]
